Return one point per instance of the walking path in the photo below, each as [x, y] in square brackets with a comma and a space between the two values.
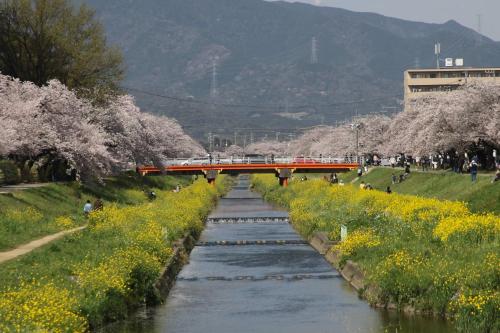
[20, 187]
[27, 248]
[364, 173]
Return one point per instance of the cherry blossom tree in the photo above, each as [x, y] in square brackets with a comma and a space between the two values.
[233, 150]
[51, 127]
[268, 148]
[449, 121]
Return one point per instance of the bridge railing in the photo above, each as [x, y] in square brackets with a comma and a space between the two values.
[258, 160]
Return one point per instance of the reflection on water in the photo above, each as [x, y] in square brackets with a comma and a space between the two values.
[264, 288]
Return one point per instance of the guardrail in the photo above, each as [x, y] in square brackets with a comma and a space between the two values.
[257, 160]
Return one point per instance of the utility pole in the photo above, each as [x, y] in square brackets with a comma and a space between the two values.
[210, 145]
[235, 137]
[251, 138]
[213, 86]
[437, 52]
[355, 127]
[314, 51]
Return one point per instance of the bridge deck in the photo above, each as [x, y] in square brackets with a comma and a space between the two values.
[250, 168]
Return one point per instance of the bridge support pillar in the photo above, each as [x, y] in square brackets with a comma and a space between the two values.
[211, 176]
[284, 175]
[283, 182]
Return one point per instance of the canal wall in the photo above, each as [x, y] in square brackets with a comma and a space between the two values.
[355, 276]
[182, 249]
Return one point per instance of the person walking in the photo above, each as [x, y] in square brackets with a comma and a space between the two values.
[473, 170]
[407, 168]
[87, 208]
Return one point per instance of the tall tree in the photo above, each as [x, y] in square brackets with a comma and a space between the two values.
[41, 40]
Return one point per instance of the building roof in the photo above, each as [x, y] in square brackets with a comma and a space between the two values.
[452, 69]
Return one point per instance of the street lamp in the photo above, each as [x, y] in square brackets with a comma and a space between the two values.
[355, 126]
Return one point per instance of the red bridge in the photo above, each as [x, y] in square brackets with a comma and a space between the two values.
[283, 171]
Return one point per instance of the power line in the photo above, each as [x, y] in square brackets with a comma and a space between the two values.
[263, 107]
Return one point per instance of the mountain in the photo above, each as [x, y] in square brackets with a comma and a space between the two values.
[265, 78]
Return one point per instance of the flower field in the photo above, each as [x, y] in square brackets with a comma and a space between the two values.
[98, 275]
[433, 255]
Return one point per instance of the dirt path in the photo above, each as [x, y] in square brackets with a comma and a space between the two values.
[27, 248]
[364, 173]
[13, 188]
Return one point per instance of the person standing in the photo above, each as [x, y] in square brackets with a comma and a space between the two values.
[473, 170]
[87, 208]
[388, 191]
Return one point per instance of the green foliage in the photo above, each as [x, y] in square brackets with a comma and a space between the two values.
[43, 40]
[9, 173]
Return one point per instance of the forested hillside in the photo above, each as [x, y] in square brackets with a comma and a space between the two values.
[263, 56]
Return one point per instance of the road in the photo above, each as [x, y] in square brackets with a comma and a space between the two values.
[280, 285]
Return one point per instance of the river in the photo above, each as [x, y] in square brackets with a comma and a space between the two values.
[270, 287]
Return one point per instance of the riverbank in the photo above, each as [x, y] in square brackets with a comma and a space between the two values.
[409, 249]
[32, 213]
[102, 273]
[480, 196]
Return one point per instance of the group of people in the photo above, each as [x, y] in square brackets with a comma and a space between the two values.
[366, 186]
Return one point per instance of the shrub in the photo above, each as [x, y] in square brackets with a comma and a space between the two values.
[10, 172]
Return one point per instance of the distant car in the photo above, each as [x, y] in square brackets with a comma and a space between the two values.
[385, 162]
[302, 159]
[254, 159]
[282, 160]
[197, 161]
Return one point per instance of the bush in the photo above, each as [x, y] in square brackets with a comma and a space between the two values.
[10, 173]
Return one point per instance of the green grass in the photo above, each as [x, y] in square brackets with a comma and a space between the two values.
[30, 214]
[481, 196]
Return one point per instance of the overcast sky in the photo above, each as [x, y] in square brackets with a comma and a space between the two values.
[432, 11]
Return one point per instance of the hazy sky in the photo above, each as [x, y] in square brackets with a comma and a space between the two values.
[432, 11]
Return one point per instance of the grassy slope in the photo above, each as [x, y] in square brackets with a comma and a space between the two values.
[59, 260]
[481, 196]
[56, 200]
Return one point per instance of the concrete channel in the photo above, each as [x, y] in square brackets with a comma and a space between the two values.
[251, 272]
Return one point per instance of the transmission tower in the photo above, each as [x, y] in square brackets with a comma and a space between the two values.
[213, 86]
[437, 52]
[314, 51]
[210, 142]
[480, 28]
